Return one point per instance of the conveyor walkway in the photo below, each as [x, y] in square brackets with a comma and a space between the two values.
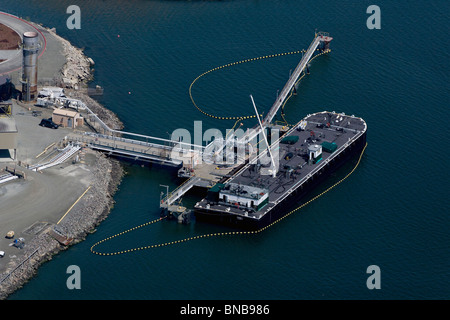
[318, 39]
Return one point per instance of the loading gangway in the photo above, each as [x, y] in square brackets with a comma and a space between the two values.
[176, 194]
[321, 39]
[153, 150]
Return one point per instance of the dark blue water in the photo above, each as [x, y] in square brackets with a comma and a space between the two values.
[392, 212]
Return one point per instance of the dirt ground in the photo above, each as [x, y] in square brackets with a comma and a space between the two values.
[9, 39]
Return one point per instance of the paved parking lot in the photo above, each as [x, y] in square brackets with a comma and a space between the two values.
[28, 206]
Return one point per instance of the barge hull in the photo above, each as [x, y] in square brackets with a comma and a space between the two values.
[287, 204]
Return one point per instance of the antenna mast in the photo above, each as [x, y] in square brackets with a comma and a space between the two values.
[274, 170]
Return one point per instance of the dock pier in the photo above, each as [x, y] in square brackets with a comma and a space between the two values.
[321, 41]
[205, 174]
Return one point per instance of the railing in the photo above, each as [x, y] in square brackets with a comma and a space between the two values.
[309, 52]
[113, 146]
[174, 195]
[130, 141]
[19, 265]
[81, 105]
[7, 177]
[105, 126]
[65, 154]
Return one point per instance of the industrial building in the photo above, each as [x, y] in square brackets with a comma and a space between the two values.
[8, 132]
[67, 119]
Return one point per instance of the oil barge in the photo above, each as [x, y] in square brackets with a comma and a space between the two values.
[307, 154]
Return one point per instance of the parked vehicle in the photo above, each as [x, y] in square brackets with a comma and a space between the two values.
[19, 243]
[48, 123]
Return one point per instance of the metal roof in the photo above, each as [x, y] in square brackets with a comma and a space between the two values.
[7, 125]
[66, 113]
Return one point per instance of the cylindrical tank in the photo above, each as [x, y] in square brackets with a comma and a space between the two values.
[29, 66]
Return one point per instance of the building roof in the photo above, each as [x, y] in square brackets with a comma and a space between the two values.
[7, 125]
[66, 113]
[6, 102]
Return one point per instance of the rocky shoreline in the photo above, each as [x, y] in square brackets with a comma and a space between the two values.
[77, 69]
[93, 208]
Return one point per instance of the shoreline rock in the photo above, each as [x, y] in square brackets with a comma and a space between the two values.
[77, 69]
[91, 210]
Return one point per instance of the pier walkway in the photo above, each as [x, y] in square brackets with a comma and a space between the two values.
[319, 39]
[176, 194]
[129, 148]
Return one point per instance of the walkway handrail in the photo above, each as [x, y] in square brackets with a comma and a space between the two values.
[19, 265]
[105, 126]
[293, 78]
[168, 196]
[132, 141]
